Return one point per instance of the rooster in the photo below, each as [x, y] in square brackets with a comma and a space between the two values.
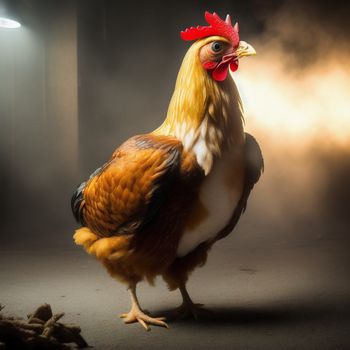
[164, 198]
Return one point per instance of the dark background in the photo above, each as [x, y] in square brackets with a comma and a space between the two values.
[80, 77]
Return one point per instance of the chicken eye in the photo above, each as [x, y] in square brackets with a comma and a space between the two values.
[216, 46]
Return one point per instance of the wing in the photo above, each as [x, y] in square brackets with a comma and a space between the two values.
[254, 166]
[127, 192]
[77, 200]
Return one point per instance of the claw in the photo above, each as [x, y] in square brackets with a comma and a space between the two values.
[143, 323]
[136, 314]
[145, 320]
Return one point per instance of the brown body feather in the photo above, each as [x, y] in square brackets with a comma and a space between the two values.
[146, 246]
[136, 208]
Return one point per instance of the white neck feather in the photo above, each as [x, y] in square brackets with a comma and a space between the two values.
[220, 129]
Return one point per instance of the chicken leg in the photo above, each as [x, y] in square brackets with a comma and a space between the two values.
[137, 315]
[188, 308]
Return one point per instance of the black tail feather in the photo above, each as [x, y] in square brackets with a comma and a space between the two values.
[76, 203]
[78, 197]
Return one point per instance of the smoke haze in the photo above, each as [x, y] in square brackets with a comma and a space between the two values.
[296, 93]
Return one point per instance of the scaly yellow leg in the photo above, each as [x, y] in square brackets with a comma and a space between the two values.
[137, 315]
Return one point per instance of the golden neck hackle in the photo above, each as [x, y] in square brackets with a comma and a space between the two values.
[202, 107]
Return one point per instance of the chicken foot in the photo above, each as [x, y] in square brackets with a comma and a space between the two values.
[136, 314]
[188, 308]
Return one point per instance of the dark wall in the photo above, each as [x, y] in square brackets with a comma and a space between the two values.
[38, 120]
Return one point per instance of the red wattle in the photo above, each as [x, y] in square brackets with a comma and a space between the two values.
[220, 72]
[233, 66]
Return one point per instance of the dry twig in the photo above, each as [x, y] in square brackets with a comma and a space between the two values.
[40, 331]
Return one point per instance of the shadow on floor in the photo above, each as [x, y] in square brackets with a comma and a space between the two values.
[264, 314]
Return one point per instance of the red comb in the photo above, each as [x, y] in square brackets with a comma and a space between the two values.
[217, 26]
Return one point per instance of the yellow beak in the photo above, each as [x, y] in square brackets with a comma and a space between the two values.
[245, 49]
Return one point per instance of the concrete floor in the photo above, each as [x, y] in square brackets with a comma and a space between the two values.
[262, 297]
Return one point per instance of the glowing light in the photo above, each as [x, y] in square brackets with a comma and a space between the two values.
[301, 105]
[9, 23]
